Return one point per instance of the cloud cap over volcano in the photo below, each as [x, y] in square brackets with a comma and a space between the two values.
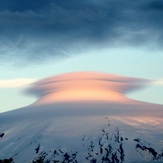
[87, 86]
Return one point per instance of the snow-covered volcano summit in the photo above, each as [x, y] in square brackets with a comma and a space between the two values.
[83, 117]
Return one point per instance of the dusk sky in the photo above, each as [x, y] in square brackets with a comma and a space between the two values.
[42, 38]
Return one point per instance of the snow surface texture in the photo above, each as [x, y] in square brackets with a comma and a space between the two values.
[83, 117]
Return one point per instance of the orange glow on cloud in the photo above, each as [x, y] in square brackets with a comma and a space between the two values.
[79, 95]
[85, 86]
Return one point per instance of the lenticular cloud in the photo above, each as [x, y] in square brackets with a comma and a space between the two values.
[85, 86]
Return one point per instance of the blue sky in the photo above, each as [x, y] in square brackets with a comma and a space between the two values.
[45, 38]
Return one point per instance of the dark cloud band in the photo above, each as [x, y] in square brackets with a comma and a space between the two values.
[55, 28]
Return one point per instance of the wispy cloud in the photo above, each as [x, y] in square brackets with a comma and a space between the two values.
[37, 30]
[16, 82]
[158, 82]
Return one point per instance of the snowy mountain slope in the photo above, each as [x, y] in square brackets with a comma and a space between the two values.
[33, 134]
[86, 130]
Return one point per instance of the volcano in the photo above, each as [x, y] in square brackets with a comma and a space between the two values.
[83, 117]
